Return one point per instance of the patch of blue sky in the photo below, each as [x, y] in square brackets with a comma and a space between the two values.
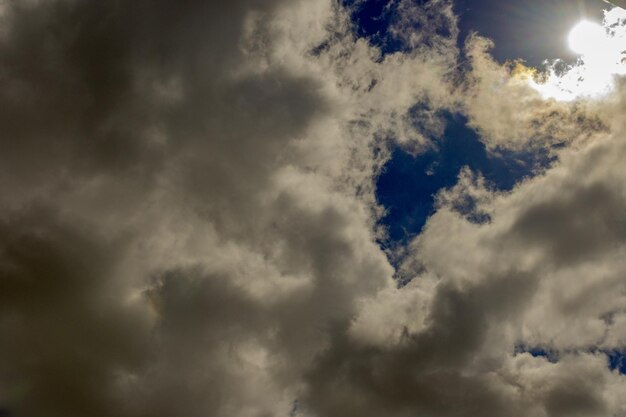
[409, 183]
[533, 30]
[538, 352]
[373, 19]
[616, 358]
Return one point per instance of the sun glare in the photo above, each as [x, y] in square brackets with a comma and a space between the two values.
[586, 38]
[601, 59]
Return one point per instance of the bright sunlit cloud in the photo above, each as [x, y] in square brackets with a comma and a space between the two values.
[601, 50]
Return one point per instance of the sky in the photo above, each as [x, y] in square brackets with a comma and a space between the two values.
[312, 208]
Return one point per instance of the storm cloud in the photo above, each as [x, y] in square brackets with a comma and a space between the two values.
[189, 223]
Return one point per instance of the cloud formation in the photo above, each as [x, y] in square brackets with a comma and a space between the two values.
[188, 222]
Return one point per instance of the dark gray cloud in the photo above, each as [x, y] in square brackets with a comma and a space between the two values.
[423, 373]
[119, 103]
[581, 223]
[65, 328]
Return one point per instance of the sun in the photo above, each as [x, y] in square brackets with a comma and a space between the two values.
[588, 38]
[600, 50]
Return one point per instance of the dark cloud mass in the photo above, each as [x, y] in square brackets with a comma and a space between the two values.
[189, 221]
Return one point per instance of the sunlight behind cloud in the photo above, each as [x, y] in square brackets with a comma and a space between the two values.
[601, 49]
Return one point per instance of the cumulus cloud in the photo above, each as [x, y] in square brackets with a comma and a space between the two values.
[188, 221]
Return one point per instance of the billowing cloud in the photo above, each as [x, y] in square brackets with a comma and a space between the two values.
[189, 225]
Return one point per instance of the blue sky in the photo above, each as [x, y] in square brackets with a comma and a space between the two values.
[532, 30]
[408, 183]
[616, 358]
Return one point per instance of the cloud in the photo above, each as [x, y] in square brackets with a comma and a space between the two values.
[67, 314]
[188, 221]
